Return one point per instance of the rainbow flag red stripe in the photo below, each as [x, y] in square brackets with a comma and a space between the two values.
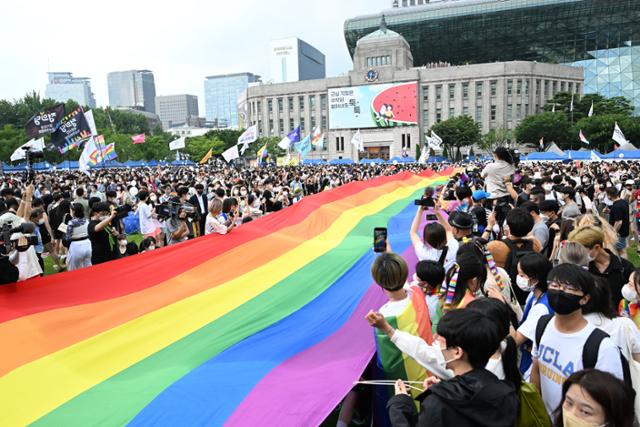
[212, 331]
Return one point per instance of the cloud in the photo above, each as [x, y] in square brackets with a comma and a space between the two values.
[181, 42]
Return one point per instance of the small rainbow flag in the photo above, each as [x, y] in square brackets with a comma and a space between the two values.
[264, 326]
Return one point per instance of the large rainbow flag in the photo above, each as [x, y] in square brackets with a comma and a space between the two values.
[262, 327]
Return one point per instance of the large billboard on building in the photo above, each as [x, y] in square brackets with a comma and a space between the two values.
[372, 106]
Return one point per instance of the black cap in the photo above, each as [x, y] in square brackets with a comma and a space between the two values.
[461, 220]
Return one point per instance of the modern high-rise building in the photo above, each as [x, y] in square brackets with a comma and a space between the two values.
[293, 60]
[176, 109]
[63, 86]
[221, 95]
[133, 88]
[601, 36]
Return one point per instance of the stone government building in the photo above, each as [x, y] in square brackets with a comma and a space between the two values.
[497, 95]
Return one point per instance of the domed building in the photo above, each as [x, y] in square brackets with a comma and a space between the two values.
[390, 105]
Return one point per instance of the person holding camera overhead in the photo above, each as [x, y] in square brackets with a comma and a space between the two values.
[101, 234]
[177, 228]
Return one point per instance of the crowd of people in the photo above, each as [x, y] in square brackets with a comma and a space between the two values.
[85, 220]
[523, 310]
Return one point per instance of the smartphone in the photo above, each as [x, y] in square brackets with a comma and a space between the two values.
[379, 239]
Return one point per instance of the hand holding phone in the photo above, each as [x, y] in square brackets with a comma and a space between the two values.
[379, 239]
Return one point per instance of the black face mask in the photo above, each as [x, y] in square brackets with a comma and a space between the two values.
[562, 302]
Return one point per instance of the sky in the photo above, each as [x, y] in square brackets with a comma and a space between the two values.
[180, 41]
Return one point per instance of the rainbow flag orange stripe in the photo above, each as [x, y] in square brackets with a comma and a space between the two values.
[210, 331]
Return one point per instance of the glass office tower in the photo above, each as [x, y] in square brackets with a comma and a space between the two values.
[603, 36]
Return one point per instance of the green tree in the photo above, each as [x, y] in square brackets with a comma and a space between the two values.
[553, 127]
[458, 131]
[598, 129]
[581, 105]
[495, 138]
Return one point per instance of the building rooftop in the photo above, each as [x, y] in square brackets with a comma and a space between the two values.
[217, 76]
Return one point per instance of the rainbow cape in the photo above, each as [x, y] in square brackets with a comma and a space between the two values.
[264, 326]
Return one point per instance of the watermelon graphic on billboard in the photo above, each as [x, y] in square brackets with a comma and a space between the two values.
[395, 106]
[371, 106]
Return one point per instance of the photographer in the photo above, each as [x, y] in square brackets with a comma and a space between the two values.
[101, 234]
[77, 237]
[177, 228]
[495, 173]
[199, 200]
[214, 223]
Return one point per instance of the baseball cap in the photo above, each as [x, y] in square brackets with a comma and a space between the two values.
[629, 182]
[461, 220]
[480, 194]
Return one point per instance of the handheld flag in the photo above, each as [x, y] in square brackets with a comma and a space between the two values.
[591, 110]
[571, 106]
[553, 108]
[248, 136]
[618, 136]
[437, 141]
[424, 155]
[72, 130]
[46, 121]
[542, 143]
[291, 138]
[231, 154]
[138, 139]
[358, 141]
[207, 156]
[88, 116]
[303, 147]
[177, 144]
[317, 138]
[583, 138]
[33, 144]
[262, 154]
[86, 157]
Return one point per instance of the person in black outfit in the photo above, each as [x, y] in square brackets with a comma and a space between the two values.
[474, 396]
[101, 234]
[200, 201]
[619, 218]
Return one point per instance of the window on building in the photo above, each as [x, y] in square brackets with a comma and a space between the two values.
[271, 129]
[340, 143]
[509, 88]
[280, 106]
[404, 140]
[493, 112]
[478, 113]
[323, 102]
[313, 123]
[452, 91]
[518, 87]
[451, 112]
[312, 103]
[509, 112]
[538, 87]
[438, 115]
[280, 126]
[438, 92]
[301, 102]
[290, 102]
[302, 127]
[291, 125]
[465, 90]
[425, 94]
[465, 111]
[479, 89]
[270, 108]
[494, 87]
[259, 105]
[526, 87]
[425, 117]
[323, 122]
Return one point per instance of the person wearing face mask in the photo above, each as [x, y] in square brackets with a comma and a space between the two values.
[474, 396]
[101, 234]
[532, 279]
[77, 238]
[540, 230]
[570, 208]
[592, 398]
[435, 244]
[629, 305]
[122, 252]
[560, 340]
[604, 263]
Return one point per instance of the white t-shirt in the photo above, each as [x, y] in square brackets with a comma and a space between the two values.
[619, 329]
[212, 225]
[528, 327]
[147, 225]
[560, 355]
[394, 308]
[427, 253]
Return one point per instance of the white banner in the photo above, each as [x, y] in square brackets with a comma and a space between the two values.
[618, 136]
[88, 115]
[231, 153]
[34, 144]
[177, 144]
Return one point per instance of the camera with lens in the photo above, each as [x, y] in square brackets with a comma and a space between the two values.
[502, 208]
[122, 211]
[428, 203]
[31, 157]
[26, 228]
[171, 209]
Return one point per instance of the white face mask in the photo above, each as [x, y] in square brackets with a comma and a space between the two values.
[524, 284]
[243, 193]
[123, 243]
[445, 373]
[547, 187]
[544, 218]
[151, 248]
[629, 293]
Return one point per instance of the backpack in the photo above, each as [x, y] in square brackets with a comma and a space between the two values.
[532, 412]
[590, 349]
